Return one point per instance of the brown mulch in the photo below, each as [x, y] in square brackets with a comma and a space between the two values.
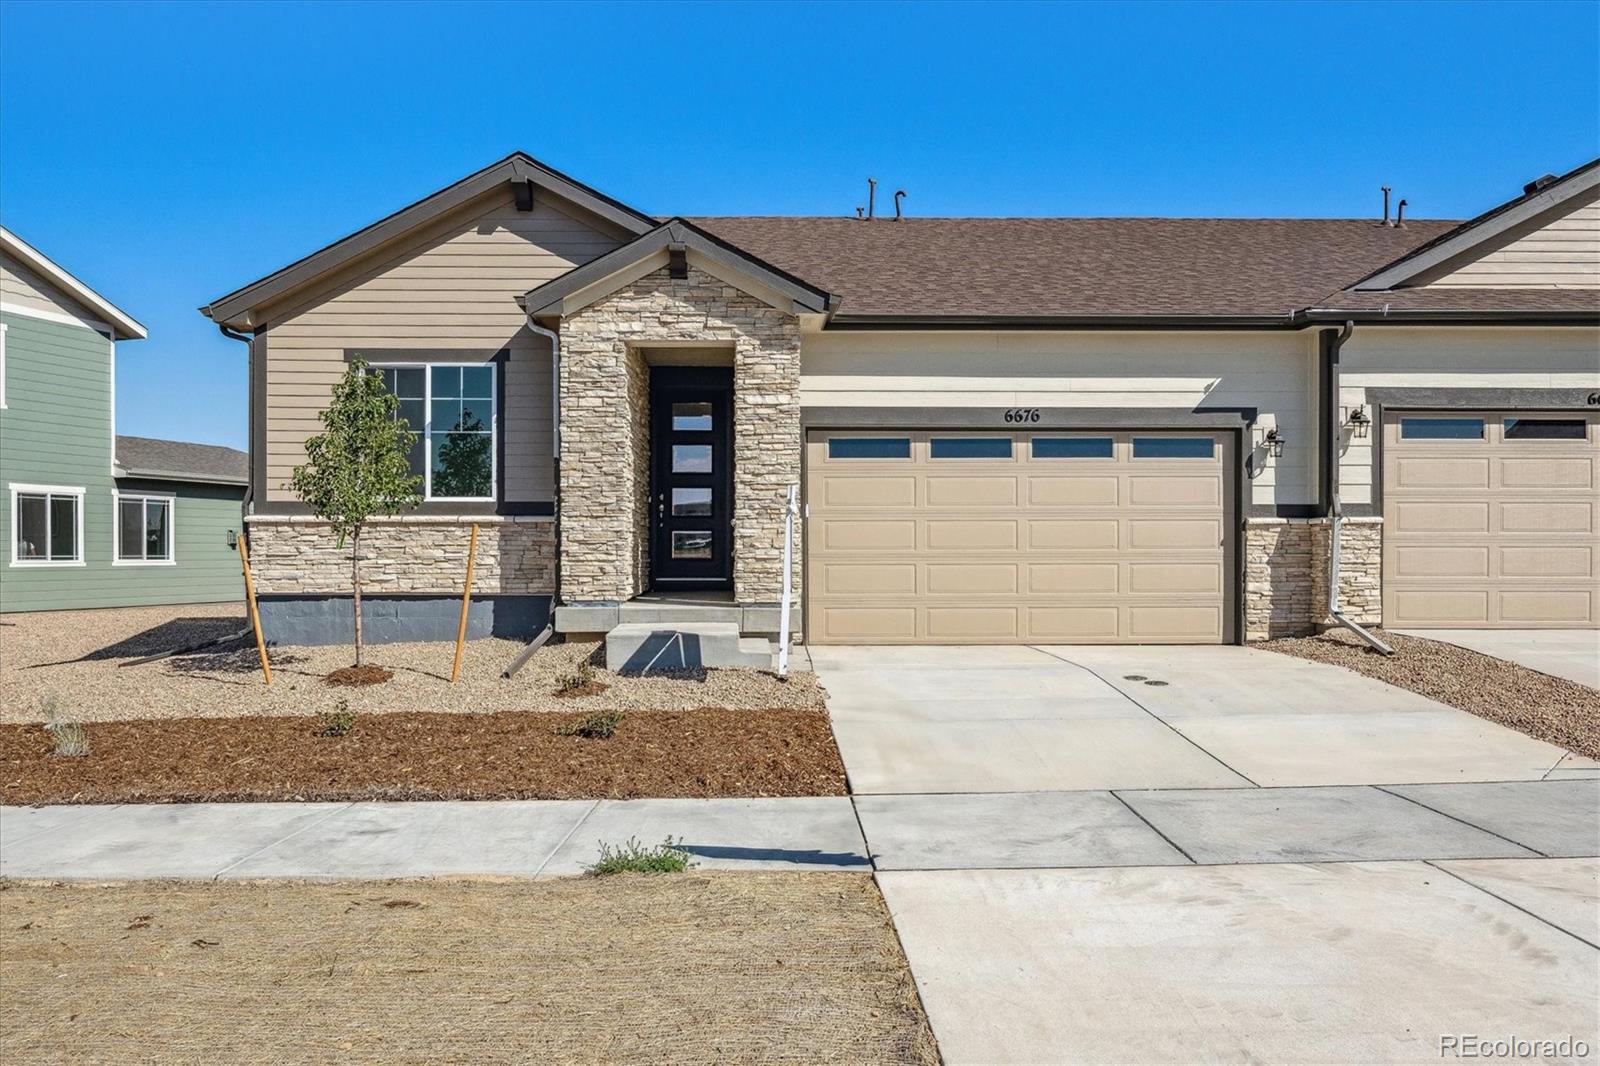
[1546, 708]
[423, 756]
[356, 676]
[684, 968]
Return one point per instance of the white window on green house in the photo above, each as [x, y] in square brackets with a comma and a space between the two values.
[144, 530]
[451, 408]
[46, 525]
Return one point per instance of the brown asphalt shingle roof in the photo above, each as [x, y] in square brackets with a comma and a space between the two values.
[1576, 301]
[150, 457]
[1066, 267]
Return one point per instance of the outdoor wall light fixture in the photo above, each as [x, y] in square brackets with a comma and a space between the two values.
[233, 539]
[1273, 442]
[1359, 422]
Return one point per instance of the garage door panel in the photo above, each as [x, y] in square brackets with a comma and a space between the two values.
[982, 579]
[1442, 473]
[1547, 517]
[1072, 491]
[956, 624]
[1175, 491]
[1435, 516]
[1532, 564]
[1174, 533]
[870, 534]
[1070, 547]
[868, 579]
[1546, 473]
[1175, 577]
[1573, 607]
[1056, 579]
[971, 491]
[1572, 562]
[1073, 625]
[970, 535]
[1067, 534]
[876, 493]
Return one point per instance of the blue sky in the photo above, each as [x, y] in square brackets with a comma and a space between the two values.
[167, 154]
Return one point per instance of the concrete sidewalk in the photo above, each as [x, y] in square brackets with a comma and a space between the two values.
[382, 840]
[1570, 653]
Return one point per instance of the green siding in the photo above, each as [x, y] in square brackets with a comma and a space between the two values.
[56, 430]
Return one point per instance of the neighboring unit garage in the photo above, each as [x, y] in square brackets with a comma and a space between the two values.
[1491, 519]
[1009, 537]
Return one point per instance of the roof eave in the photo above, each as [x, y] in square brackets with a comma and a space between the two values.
[232, 309]
[844, 321]
[178, 475]
[122, 324]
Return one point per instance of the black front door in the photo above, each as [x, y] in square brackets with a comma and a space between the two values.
[690, 409]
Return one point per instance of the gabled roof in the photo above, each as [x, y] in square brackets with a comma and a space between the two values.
[676, 234]
[123, 325]
[1066, 271]
[176, 460]
[1458, 243]
[518, 167]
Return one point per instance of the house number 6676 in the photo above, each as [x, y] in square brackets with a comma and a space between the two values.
[1022, 414]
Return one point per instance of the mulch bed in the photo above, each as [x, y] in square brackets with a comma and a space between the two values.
[356, 676]
[423, 756]
[1551, 709]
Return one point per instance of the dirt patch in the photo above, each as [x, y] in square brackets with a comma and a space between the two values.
[411, 756]
[689, 968]
[357, 676]
[73, 655]
[1547, 708]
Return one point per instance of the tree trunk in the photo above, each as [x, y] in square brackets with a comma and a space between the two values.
[355, 583]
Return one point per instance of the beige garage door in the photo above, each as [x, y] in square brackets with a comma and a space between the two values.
[996, 538]
[1490, 520]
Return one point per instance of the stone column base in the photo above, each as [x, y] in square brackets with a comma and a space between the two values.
[1286, 575]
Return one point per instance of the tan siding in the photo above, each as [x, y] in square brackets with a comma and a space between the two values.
[1417, 357]
[1274, 373]
[21, 287]
[1564, 253]
[451, 287]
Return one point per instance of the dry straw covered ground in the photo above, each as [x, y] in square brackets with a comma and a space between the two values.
[73, 658]
[687, 968]
[1552, 709]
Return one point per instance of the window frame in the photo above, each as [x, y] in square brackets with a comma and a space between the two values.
[77, 494]
[1157, 439]
[426, 433]
[1097, 438]
[1404, 420]
[1531, 417]
[935, 439]
[845, 438]
[171, 500]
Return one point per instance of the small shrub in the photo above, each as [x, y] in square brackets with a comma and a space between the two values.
[580, 681]
[598, 726]
[634, 857]
[71, 739]
[337, 722]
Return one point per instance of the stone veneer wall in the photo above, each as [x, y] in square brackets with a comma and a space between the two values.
[413, 554]
[1286, 575]
[605, 431]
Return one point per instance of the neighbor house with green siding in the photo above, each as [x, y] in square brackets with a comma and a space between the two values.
[90, 519]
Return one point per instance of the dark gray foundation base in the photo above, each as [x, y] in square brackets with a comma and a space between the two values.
[397, 619]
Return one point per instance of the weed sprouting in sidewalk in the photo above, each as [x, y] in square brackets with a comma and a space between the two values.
[633, 857]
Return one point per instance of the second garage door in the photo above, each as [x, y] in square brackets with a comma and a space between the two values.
[1038, 537]
[1490, 520]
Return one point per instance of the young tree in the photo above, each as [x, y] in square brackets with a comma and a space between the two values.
[357, 467]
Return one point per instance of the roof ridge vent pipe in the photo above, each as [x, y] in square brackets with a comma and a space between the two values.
[1385, 221]
[899, 194]
[1335, 511]
[1400, 213]
[872, 197]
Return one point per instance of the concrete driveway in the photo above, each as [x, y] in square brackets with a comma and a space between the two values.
[1570, 653]
[1016, 719]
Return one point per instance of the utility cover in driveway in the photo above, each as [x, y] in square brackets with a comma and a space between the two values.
[1007, 537]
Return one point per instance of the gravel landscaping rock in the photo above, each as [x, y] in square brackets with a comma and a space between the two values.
[1547, 708]
[74, 655]
[646, 968]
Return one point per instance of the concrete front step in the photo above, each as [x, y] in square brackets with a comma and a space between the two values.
[754, 619]
[644, 647]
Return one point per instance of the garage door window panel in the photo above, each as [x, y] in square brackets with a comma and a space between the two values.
[869, 447]
[1441, 429]
[969, 448]
[1073, 448]
[1546, 429]
[1174, 447]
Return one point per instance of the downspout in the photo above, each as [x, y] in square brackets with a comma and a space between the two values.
[250, 433]
[555, 448]
[1335, 511]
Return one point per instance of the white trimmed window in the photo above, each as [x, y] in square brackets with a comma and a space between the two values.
[451, 408]
[143, 529]
[46, 525]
